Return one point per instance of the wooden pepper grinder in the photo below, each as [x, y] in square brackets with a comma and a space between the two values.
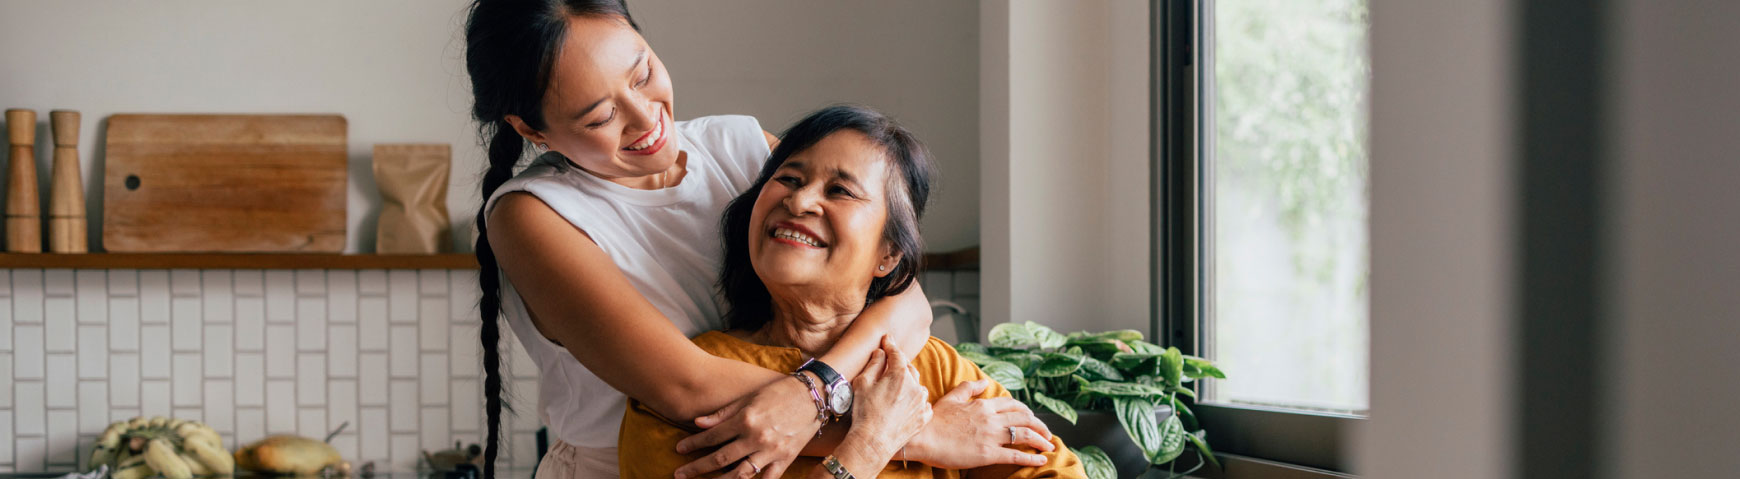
[23, 213]
[66, 192]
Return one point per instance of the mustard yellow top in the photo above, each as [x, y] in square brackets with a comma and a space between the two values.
[648, 445]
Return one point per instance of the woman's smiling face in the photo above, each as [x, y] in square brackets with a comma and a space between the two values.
[608, 104]
[818, 223]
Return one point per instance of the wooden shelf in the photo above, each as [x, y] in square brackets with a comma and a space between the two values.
[963, 260]
[235, 261]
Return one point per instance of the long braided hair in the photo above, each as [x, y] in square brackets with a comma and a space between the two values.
[510, 47]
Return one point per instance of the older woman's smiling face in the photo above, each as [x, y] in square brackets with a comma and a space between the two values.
[818, 223]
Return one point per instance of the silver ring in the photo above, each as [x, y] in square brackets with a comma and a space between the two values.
[1011, 434]
[755, 467]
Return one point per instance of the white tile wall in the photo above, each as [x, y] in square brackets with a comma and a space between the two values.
[264, 352]
[249, 352]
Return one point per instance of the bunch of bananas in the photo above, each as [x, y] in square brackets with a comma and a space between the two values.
[177, 449]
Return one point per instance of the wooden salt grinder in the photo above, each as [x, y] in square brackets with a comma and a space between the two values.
[66, 197]
[23, 212]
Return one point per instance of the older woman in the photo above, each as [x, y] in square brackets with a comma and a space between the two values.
[830, 227]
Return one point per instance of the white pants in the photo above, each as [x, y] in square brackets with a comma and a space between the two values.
[567, 461]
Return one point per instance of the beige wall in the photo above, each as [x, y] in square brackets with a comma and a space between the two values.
[1441, 236]
[1445, 265]
[1064, 102]
[1675, 316]
[779, 59]
[394, 68]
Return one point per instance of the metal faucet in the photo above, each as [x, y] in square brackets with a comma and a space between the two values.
[966, 324]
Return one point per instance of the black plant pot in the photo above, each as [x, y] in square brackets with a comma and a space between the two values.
[1102, 429]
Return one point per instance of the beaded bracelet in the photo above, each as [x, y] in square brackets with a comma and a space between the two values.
[821, 408]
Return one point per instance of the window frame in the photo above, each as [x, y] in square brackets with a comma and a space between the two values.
[1312, 444]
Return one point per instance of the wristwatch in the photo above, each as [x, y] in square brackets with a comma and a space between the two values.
[832, 465]
[839, 391]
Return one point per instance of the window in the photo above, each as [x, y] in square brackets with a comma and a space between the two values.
[1262, 205]
[1286, 186]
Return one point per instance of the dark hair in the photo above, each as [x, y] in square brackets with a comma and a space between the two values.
[908, 193]
[510, 48]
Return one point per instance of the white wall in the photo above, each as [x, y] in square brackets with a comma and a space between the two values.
[1441, 239]
[395, 69]
[1064, 95]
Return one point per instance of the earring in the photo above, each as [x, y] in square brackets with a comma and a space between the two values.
[544, 145]
[882, 267]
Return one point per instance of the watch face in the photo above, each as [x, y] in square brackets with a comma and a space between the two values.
[840, 398]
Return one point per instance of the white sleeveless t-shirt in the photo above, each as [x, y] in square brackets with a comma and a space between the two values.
[665, 241]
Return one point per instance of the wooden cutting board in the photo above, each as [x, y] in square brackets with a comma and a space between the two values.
[224, 183]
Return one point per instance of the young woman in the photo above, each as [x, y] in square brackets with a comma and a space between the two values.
[830, 226]
[602, 253]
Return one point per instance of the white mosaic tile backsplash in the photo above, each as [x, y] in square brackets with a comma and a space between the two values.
[254, 353]
[251, 353]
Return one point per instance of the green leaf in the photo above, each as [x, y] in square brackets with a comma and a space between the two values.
[978, 358]
[1171, 441]
[1203, 446]
[1055, 406]
[1137, 364]
[1026, 335]
[1182, 390]
[964, 348]
[1097, 369]
[1119, 335]
[1100, 348]
[1006, 374]
[1097, 463]
[1049, 339]
[1144, 347]
[1115, 389]
[1184, 413]
[1137, 416]
[1204, 368]
[1083, 401]
[1028, 362]
[1057, 365]
[1172, 367]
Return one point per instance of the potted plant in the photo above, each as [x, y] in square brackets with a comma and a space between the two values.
[1092, 375]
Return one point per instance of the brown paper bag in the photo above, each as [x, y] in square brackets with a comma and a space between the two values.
[413, 182]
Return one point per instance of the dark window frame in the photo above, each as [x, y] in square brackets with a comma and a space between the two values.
[1178, 148]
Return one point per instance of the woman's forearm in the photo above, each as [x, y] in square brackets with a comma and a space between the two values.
[861, 455]
[702, 383]
[904, 317]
